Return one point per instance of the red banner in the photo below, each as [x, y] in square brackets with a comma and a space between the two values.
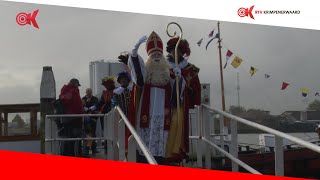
[16, 165]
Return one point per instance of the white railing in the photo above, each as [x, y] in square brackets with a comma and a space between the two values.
[115, 123]
[204, 136]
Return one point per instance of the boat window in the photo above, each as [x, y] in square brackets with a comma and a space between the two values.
[19, 122]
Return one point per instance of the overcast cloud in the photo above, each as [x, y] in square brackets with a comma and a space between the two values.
[70, 38]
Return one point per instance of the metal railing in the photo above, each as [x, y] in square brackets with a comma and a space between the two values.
[204, 134]
[115, 123]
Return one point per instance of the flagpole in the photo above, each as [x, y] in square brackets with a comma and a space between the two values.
[221, 74]
[238, 89]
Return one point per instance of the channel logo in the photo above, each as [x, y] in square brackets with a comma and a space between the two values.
[248, 12]
[23, 18]
[245, 12]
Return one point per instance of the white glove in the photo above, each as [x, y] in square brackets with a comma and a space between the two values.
[142, 40]
[136, 47]
[92, 108]
[85, 109]
[177, 72]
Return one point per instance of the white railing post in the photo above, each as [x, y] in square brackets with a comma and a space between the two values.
[234, 144]
[132, 149]
[279, 166]
[116, 118]
[199, 141]
[121, 135]
[221, 124]
[48, 135]
[106, 133]
[206, 130]
[213, 132]
[55, 144]
[111, 143]
[190, 133]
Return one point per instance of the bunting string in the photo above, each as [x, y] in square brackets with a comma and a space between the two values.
[236, 61]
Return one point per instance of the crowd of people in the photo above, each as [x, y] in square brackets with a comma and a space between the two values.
[151, 104]
[89, 104]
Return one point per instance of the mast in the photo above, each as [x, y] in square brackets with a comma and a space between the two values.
[221, 73]
[238, 89]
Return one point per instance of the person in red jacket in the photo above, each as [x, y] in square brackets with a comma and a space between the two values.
[70, 97]
[72, 103]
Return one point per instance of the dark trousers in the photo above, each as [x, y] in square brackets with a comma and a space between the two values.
[102, 127]
[90, 128]
[94, 143]
[73, 129]
[71, 148]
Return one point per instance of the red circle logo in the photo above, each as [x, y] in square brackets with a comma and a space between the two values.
[21, 19]
[242, 12]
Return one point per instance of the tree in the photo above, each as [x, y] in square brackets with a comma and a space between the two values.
[235, 110]
[257, 115]
[20, 122]
[315, 106]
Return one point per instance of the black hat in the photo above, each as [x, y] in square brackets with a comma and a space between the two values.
[75, 81]
[123, 74]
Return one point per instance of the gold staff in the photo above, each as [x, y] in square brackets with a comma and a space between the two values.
[176, 62]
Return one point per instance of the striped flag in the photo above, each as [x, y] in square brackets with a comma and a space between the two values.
[199, 42]
[217, 35]
[253, 71]
[228, 55]
[304, 92]
[266, 76]
[211, 33]
[236, 62]
[284, 85]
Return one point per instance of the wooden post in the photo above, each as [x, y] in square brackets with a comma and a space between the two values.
[6, 131]
[1, 121]
[33, 122]
[47, 96]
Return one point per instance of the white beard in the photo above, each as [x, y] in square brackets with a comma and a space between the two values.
[158, 73]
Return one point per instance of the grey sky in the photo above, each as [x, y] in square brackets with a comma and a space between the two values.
[70, 38]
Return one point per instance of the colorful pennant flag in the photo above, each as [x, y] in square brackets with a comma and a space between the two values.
[252, 71]
[228, 55]
[236, 62]
[284, 85]
[266, 76]
[199, 42]
[209, 43]
[304, 92]
[216, 36]
[211, 33]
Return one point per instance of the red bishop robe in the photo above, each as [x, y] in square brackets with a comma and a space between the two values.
[150, 110]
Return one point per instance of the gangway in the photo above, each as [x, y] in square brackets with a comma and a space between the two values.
[115, 123]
